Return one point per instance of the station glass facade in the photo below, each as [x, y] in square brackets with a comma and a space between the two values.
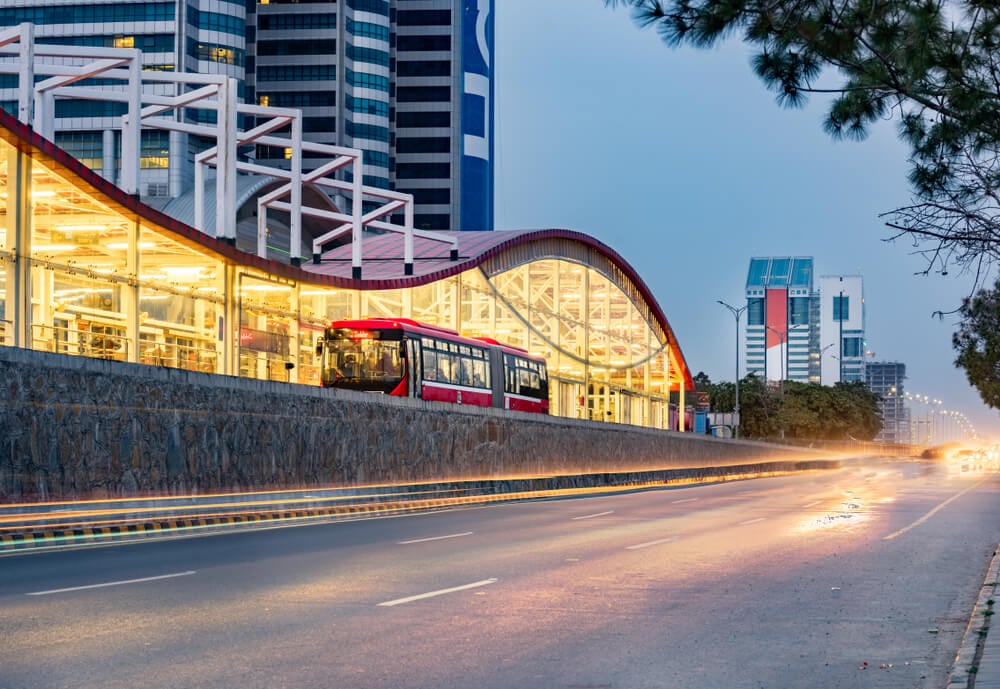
[86, 272]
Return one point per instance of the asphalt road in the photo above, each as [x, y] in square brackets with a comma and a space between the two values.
[861, 577]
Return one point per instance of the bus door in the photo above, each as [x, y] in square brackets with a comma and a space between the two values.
[498, 376]
[414, 366]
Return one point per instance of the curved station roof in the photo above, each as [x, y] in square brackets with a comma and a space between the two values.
[567, 296]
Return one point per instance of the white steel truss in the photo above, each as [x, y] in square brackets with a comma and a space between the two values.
[67, 65]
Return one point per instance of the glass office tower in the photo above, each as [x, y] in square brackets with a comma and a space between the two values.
[408, 83]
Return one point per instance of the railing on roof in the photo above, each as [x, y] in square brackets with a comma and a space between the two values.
[66, 65]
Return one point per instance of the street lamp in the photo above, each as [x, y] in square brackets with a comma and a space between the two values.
[737, 312]
[840, 318]
[820, 357]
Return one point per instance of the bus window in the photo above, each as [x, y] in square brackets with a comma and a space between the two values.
[445, 368]
[480, 376]
[430, 365]
[465, 371]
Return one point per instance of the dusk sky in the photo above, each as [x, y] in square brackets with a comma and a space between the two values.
[682, 162]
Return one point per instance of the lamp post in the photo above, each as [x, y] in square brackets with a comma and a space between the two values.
[840, 318]
[821, 353]
[737, 312]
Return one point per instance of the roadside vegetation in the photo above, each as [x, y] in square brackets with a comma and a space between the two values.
[797, 411]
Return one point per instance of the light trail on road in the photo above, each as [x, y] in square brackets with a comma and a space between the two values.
[651, 586]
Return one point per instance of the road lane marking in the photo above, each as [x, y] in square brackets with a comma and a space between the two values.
[649, 543]
[930, 514]
[811, 504]
[112, 583]
[677, 502]
[752, 521]
[434, 538]
[439, 592]
[591, 516]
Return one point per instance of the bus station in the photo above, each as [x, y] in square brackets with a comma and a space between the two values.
[88, 269]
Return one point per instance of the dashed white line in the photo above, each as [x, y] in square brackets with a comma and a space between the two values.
[811, 504]
[112, 583]
[677, 502]
[434, 538]
[591, 516]
[649, 543]
[752, 521]
[439, 592]
[929, 514]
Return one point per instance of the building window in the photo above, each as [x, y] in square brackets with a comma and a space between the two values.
[423, 171]
[442, 196]
[423, 144]
[423, 94]
[89, 14]
[423, 17]
[755, 312]
[209, 52]
[377, 158]
[368, 106]
[303, 47]
[368, 55]
[852, 346]
[294, 22]
[367, 30]
[841, 308]
[368, 81]
[213, 21]
[319, 124]
[423, 68]
[89, 108]
[423, 43]
[423, 119]
[375, 6]
[297, 73]
[298, 99]
[799, 310]
[367, 131]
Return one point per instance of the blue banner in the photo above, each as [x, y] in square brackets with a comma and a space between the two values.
[476, 175]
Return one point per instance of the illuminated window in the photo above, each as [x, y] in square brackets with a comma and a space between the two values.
[124, 41]
[264, 100]
[224, 55]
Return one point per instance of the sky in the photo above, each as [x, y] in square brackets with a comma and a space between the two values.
[681, 161]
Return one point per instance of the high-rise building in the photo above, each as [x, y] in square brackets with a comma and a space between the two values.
[797, 332]
[410, 83]
[885, 378]
[842, 328]
[781, 330]
[200, 36]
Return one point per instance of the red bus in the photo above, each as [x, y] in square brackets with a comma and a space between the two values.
[399, 356]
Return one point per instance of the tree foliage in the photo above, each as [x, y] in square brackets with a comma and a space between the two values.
[978, 343]
[932, 65]
[805, 411]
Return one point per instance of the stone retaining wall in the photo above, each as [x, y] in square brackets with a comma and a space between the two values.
[73, 427]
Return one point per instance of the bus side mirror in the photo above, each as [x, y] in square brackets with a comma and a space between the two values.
[319, 347]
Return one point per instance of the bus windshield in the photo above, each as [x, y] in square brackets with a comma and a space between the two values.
[361, 363]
